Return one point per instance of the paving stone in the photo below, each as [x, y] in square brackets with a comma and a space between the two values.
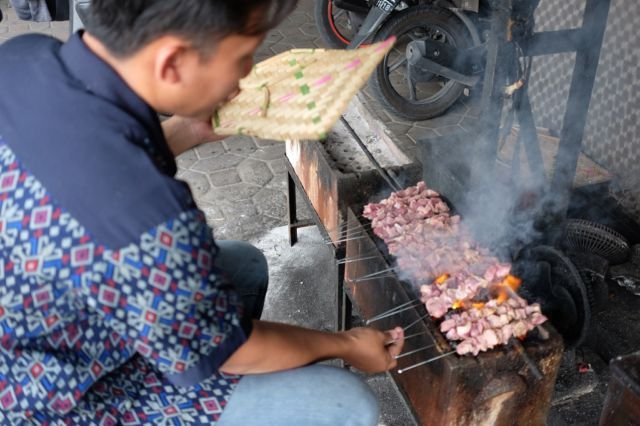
[309, 29]
[469, 123]
[268, 153]
[278, 167]
[267, 142]
[271, 203]
[255, 172]
[444, 120]
[417, 133]
[447, 130]
[187, 159]
[226, 161]
[246, 228]
[278, 183]
[272, 38]
[211, 149]
[240, 145]
[281, 47]
[224, 178]
[293, 34]
[214, 214]
[295, 20]
[399, 128]
[303, 211]
[237, 192]
[197, 181]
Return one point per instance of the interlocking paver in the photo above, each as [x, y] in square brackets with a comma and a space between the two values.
[271, 203]
[221, 162]
[255, 172]
[197, 181]
[240, 145]
[236, 192]
[224, 178]
[268, 153]
[211, 149]
[187, 159]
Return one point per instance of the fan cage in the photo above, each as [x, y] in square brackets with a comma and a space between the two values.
[584, 236]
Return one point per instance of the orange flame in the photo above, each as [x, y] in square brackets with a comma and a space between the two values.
[442, 278]
[512, 281]
[502, 297]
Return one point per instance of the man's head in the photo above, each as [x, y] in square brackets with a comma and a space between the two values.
[182, 56]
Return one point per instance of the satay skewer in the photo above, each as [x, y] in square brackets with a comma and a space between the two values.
[415, 351]
[395, 308]
[373, 274]
[416, 322]
[392, 313]
[411, 367]
[355, 259]
[344, 240]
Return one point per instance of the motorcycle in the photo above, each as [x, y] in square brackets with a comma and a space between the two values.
[434, 61]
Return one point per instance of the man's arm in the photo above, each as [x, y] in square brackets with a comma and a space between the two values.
[275, 347]
[183, 133]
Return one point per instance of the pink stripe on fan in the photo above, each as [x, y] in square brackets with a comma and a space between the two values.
[386, 43]
[323, 80]
[286, 97]
[354, 64]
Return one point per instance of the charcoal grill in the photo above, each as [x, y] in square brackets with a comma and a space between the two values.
[497, 387]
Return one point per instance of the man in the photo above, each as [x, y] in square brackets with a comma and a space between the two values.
[116, 304]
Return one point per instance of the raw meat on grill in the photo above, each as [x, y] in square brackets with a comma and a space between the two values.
[457, 278]
[480, 329]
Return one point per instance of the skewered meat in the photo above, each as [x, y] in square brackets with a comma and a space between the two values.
[457, 278]
[493, 324]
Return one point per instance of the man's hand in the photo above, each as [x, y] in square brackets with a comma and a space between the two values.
[276, 347]
[184, 133]
[373, 351]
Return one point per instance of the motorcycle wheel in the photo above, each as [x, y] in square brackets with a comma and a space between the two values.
[336, 26]
[390, 83]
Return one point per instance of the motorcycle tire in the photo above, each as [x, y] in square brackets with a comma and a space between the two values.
[398, 25]
[331, 32]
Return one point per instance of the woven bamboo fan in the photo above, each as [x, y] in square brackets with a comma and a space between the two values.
[298, 94]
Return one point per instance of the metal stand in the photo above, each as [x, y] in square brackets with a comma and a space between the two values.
[343, 304]
[586, 42]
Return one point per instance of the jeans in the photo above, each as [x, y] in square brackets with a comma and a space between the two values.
[246, 268]
[308, 396]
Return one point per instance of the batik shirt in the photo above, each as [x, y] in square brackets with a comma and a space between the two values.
[105, 258]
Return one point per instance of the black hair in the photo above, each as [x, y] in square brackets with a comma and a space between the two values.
[125, 26]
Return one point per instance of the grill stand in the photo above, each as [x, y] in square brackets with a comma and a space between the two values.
[510, 20]
[344, 307]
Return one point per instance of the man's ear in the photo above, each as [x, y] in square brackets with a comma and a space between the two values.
[169, 59]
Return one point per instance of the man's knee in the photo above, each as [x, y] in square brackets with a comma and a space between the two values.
[243, 263]
[354, 394]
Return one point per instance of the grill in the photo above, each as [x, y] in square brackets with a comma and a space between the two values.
[495, 387]
[498, 387]
[509, 384]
